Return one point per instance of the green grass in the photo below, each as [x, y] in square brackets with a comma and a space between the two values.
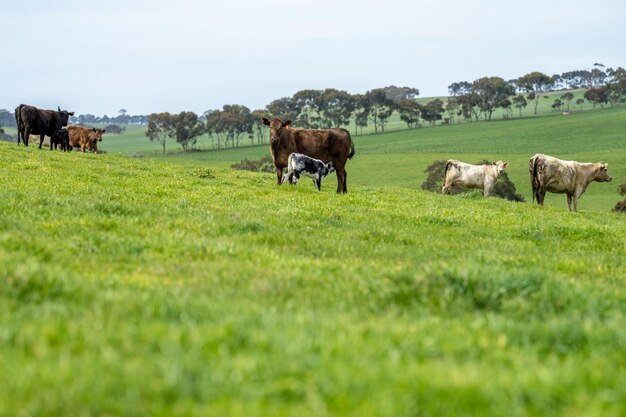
[400, 158]
[150, 287]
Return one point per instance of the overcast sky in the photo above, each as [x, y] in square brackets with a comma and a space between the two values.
[154, 55]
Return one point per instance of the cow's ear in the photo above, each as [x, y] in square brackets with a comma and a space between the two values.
[71, 113]
[506, 164]
[94, 129]
[104, 130]
[266, 122]
[287, 124]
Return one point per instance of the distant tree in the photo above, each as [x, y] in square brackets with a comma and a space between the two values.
[535, 83]
[379, 108]
[556, 106]
[432, 111]
[259, 130]
[459, 88]
[580, 102]
[452, 108]
[568, 97]
[468, 106]
[187, 128]
[597, 96]
[616, 87]
[409, 111]
[286, 108]
[160, 128]
[7, 118]
[361, 112]
[493, 92]
[114, 129]
[230, 124]
[519, 101]
[336, 107]
[506, 106]
[309, 105]
[397, 94]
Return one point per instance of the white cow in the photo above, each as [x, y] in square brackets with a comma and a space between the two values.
[483, 177]
[564, 177]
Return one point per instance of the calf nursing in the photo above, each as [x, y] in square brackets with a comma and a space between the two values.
[298, 164]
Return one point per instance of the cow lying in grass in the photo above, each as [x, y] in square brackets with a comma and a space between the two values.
[565, 177]
[483, 177]
[299, 164]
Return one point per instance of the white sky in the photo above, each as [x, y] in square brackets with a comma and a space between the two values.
[156, 55]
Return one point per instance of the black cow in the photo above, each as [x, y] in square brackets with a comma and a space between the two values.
[298, 164]
[31, 120]
[60, 137]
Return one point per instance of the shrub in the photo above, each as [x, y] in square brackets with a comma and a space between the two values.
[265, 164]
[620, 207]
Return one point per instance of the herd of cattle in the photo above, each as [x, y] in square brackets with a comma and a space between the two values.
[33, 121]
[318, 152]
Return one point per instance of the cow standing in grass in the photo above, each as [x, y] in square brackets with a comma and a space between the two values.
[60, 138]
[33, 121]
[327, 145]
[85, 137]
[564, 177]
[483, 177]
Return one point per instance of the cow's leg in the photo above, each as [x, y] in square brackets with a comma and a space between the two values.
[569, 201]
[541, 195]
[279, 176]
[342, 183]
[26, 136]
[487, 190]
[318, 183]
[41, 140]
[287, 177]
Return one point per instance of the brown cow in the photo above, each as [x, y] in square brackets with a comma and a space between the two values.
[328, 145]
[85, 137]
[569, 177]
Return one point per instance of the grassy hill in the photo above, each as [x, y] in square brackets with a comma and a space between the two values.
[149, 287]
[400, 158]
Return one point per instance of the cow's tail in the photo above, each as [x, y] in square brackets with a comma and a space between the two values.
[533, 169]
[352, 150]
[18, 121]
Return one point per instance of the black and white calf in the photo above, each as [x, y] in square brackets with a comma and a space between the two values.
[299, 164]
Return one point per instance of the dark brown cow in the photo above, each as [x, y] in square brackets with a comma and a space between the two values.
[328, 145]
[85, 137]
[33, 121]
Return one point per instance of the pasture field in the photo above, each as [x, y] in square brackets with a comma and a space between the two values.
[400, 158]
[151, 287]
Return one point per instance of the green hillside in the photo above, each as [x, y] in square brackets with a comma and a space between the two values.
[150, 287]
[400, 158]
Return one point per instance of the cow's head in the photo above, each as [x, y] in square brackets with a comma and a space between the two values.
[330, 167]
[500, 166]
[97, 135]
[64, 116]
[602, 172]
[276, 128]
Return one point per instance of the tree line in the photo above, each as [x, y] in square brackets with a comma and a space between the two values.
[234, 124]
